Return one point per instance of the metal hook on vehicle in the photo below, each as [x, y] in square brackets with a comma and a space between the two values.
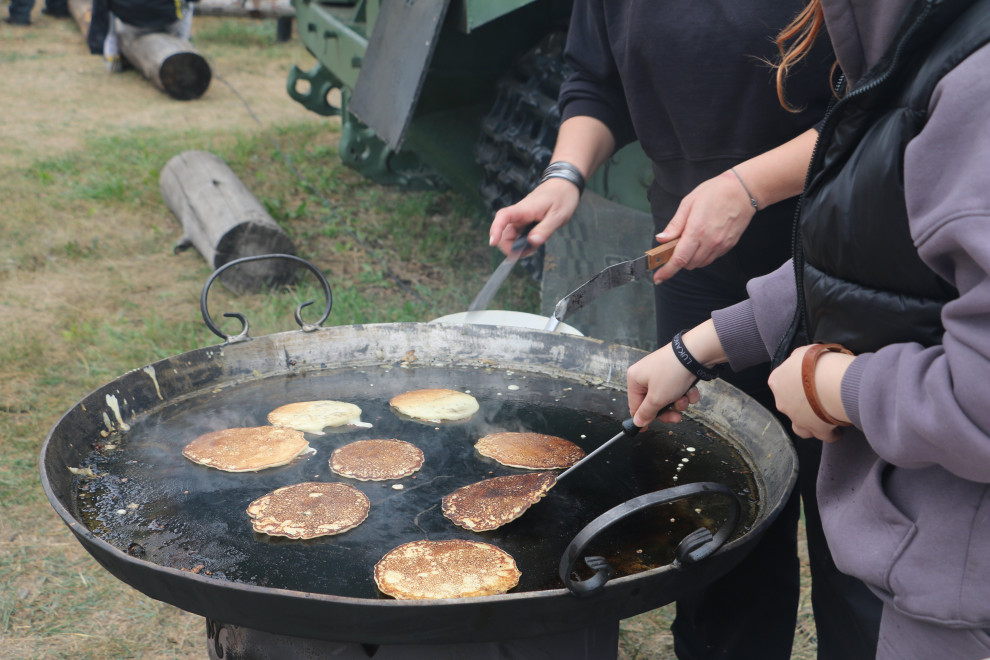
[243, 334]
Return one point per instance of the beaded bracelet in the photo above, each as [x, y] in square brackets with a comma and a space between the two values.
[690, 363]
[564, 170]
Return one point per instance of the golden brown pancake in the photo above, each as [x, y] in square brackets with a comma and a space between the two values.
[435, 405]
[308, 510]
[246, 449]
[446, 569]
[536, 451]
[491, 503]
[314, 416]
[376, 460]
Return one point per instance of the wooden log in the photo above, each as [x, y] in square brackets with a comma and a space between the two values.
[224, 221]
[82, 12]
[263, 9]
[169, 62]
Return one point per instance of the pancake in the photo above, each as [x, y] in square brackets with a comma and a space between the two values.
[308, 510]
[376, 460]
[535, 451]
[314, 416]
[246, 449]
[491, 503]
[435, 405]
[446, 569]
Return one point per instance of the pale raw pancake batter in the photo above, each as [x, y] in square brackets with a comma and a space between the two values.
[435, 405]
[314, 416]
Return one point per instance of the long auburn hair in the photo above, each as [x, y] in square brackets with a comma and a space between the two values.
[795, 41]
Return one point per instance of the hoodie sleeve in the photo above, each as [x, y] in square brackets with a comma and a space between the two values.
[928, 406]
[751, 330]
[594, 88]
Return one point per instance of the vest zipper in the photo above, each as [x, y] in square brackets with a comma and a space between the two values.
[800, 313]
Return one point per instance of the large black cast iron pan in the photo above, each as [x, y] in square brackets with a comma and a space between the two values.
[112, 469]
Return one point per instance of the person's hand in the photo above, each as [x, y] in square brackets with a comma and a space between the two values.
[789, 396]
[551, 204]
[656, 381]
[709, 221]
[660, 380]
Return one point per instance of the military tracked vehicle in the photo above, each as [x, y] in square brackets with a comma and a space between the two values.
[462, 93]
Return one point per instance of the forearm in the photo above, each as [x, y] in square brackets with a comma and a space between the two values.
[711, 219]
[585, 142]
[582, 141]
[704, 344]
[778, 174]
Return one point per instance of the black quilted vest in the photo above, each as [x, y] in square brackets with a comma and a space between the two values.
[861, 282]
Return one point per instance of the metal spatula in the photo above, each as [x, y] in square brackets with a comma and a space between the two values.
[614, 276]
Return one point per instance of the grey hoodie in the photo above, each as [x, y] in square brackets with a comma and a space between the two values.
[905, 493]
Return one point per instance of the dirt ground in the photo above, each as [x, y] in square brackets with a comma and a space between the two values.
[55, 92]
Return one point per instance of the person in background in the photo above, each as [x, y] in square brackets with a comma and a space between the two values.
[113, 19]
[878, 328]
[692, 83]
[19, 11]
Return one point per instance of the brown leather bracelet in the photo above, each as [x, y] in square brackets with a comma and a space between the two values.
[808, 379]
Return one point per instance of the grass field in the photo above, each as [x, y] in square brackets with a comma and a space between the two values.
[90, 286]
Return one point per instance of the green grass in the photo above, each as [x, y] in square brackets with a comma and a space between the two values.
[255, 35]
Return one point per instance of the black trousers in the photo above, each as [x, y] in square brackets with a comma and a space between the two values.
[750, 613]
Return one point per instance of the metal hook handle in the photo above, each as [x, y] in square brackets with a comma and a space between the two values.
[693, 548]
[243, 334]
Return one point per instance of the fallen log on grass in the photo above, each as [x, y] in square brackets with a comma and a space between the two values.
[224, 221]
[170, 63]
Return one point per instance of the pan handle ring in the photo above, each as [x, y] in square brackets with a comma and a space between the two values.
[693, 548]
[243, 334]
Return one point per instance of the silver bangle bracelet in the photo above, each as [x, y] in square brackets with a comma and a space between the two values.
[561, 169]
[752, 200]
